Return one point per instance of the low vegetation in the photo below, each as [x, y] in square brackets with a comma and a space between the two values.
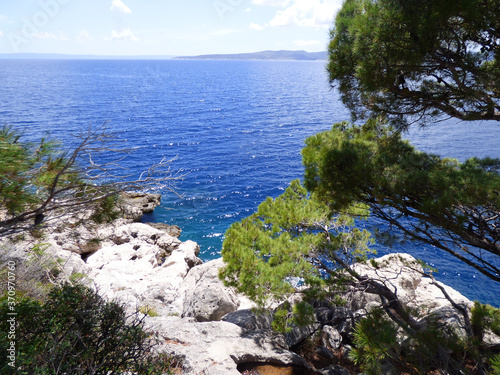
[74, 331]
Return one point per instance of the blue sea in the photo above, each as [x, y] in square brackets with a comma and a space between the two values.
[236, 129]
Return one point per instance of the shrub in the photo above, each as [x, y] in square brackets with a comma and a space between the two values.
[76, 332]
[495, 365]
[106, 210]
[36, 272]
[485, 317]
[375, 342]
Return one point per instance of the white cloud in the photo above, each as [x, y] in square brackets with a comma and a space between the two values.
[83, 37]
[1, 33]
[254, 26]
[309, 13]
[51, 36]
[307, 43]
[248, 10]
[119, 6]
[124, 34]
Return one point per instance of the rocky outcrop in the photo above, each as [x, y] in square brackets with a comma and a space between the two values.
[134, 205]
[405, 276]
[250, 320]
[144, 267]
[172, 230]
[213, 329]
[151, 271]
[219, 347]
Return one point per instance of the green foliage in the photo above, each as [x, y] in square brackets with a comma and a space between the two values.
[375, 342]
[485, 317]
[36, 274]
[303, 313]
[282, 318]
[77, 276]
[436, 346]
[30, 171]
[495, 365]
[286, 316]
[372, 163]
[106, 210]
[22, 170]
[290, 240]
[76, 332]
[39, 249]
[453, 206]
[432, 347]
[413, 60]
[147, 310]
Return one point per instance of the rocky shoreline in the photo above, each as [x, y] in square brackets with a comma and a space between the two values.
[209, 327]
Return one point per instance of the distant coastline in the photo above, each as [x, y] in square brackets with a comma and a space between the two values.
[263, 55]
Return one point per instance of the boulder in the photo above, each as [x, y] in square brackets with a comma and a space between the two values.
[491, 340]
[71, 263]
[206, 298]
[250, 320]
[331, 337]
[449, 321]
[215, 348]
[297, 334]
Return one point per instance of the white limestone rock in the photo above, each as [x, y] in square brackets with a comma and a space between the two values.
[145, 269]
[404, 276]
[206, 298]
[216, 348]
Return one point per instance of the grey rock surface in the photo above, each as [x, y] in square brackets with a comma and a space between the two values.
[134, 205]
[206, 298]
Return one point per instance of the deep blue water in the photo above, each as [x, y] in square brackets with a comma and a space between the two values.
[236, 127]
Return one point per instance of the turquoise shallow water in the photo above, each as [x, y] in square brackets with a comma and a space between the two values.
[236, 128]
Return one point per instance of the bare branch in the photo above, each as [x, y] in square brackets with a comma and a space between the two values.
[80, 179]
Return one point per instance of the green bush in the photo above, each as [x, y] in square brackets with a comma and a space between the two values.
[433, 347]
[485, 317]
[76, 332]
[375, 342]
[106, 210]
[495, 365]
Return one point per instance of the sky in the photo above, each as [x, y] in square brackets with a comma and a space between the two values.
[164, 27]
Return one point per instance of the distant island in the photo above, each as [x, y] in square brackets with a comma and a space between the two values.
[263, 55]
